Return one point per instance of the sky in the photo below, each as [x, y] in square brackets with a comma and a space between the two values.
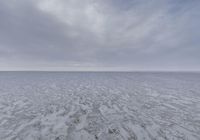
[116, 35]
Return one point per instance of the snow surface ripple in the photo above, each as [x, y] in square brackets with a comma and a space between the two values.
[99, 106]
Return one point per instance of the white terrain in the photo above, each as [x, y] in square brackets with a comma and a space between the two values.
[99, 106]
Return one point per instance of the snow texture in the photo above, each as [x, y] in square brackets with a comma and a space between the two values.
[99, 106]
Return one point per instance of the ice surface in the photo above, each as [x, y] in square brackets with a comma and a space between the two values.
[99, 106]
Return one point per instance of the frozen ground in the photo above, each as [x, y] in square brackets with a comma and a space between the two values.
[99, 106]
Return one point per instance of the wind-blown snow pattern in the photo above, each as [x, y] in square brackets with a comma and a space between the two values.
[99, 106]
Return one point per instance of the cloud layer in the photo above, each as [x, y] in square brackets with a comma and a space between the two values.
[99, 35]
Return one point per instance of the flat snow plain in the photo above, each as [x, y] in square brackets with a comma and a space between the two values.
[99, 106]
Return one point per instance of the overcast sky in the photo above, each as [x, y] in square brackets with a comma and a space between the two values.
[100, 35]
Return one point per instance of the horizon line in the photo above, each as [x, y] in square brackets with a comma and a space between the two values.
[185, 71]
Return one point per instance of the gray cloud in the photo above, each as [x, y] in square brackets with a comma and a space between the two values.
[101, 34]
